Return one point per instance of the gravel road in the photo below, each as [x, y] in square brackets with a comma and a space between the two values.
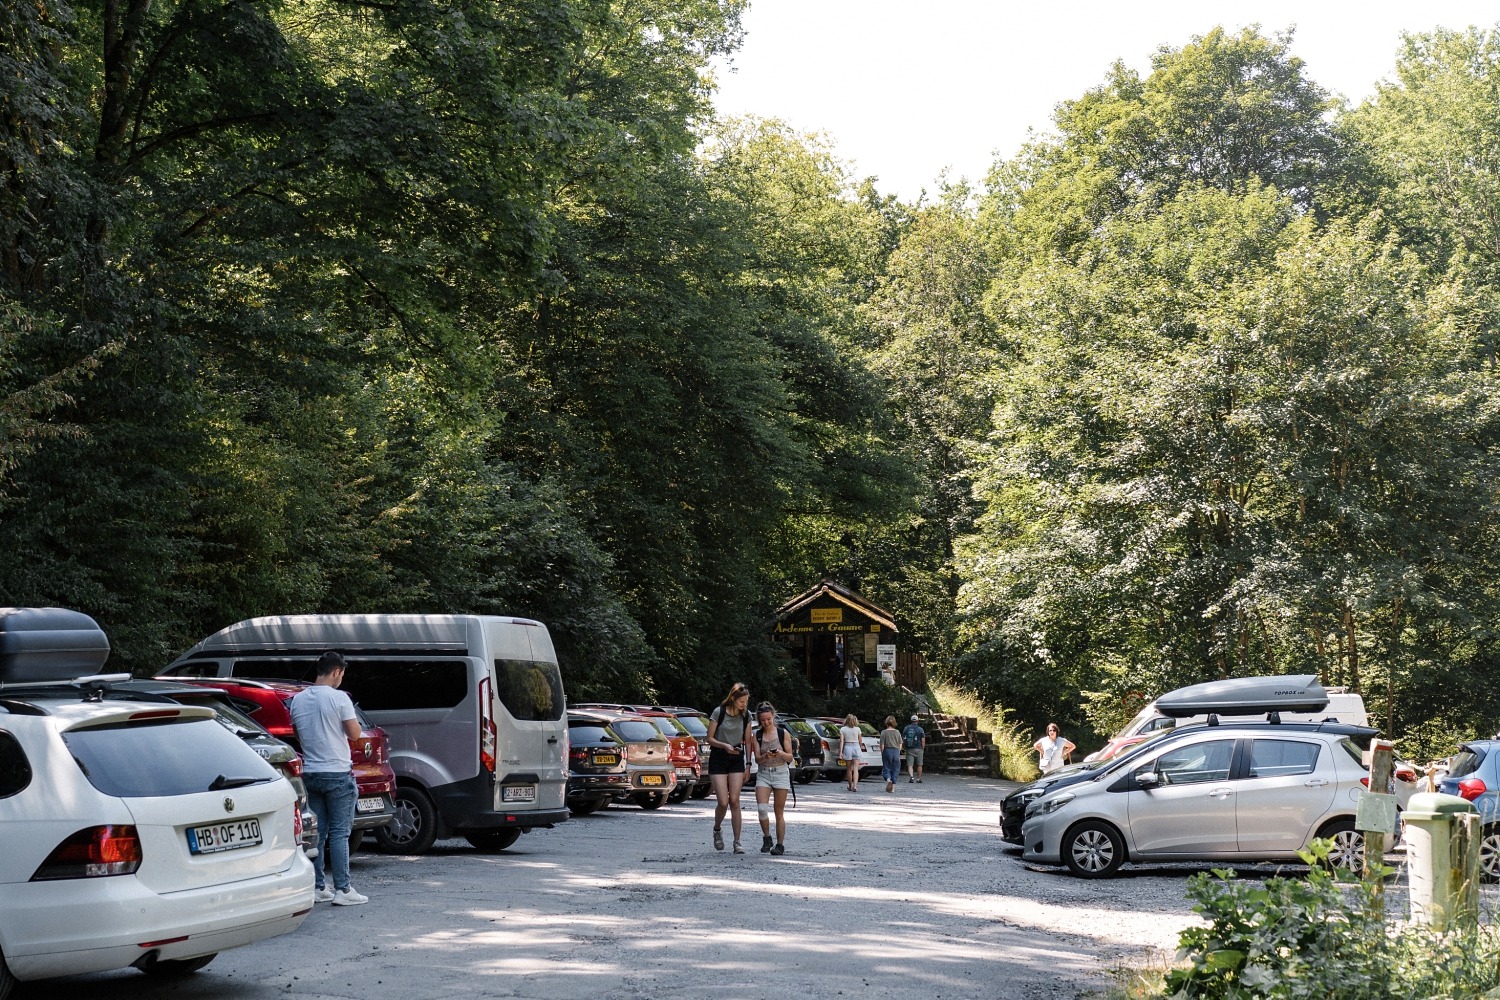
[878, 896]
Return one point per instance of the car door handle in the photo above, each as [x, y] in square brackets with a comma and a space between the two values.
[1220, 793]
[1315, 782]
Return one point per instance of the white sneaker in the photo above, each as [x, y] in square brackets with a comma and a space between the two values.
[349, 897]
[323, 895]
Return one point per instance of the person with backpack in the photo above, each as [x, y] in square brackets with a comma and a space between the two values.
[728, 767]
[915, 738]
[773, 754]
[890, 753]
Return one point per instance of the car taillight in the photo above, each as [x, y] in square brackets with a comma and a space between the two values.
[294, 766]
[297, 823]
[1405, 774]
[487, 733]
[1471, 788]
[92, 853]
[578, 755]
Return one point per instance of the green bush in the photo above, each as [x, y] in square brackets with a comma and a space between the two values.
[872, 702]
[1313, 937]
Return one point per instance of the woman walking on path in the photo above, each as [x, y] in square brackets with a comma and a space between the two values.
[850, 740]
[728, 727]
[773, 754]
[890, 753]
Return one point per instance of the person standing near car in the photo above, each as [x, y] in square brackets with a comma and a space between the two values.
[773, 754]
[890, 753]
[851, 738]
[916, 747]
[1052, 750]
[325, 722]
[728, 767]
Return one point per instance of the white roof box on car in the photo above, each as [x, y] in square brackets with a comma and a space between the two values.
[1246, 696]
[49, 644]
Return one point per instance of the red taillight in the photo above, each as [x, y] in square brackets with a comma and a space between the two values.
[487, 733]
[294, 766]
[579, 755]
[1471, 788]
[91, 853]
[297, 823]
[1365, 781]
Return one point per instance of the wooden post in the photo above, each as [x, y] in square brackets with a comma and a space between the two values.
[1464, 873]
[1382, 761]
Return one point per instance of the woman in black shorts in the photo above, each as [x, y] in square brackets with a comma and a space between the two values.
[728, 726]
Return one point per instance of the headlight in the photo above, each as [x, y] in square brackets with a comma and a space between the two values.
[1049, 805]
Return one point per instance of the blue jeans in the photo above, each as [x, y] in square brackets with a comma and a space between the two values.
[890, 763]
[331, 795]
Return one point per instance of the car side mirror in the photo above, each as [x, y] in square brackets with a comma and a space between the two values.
[1147, 779]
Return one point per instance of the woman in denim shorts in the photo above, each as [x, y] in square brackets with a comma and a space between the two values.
[773, 754]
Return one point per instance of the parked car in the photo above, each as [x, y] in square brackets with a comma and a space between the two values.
[597, 771]
[154, 837]
[1243, 793]
[1474, 774]
[690, 766]
[809, 745]
[869, 748]
[696, 723]
[648, 756]
[268, 703]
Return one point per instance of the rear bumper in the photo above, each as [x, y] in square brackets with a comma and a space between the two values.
[97, 925]
[373, 818]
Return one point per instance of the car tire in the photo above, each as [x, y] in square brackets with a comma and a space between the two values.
[493, 841]
[586, 807]
[7, 981]
[701, 791]
[651, 800]
[173, 967]
[414, 827]
[806, 777]
[356, 841]
[679, 794]
[1489, 854]
[1348, 845]
[1093, 850]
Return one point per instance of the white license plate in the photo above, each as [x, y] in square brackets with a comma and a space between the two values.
[518, 793]
[370, 805]
[223, 836]
[651, 779]
[814, 760]
[684, 772]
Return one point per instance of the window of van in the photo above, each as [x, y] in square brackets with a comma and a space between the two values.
[530, 690]
[384, 685]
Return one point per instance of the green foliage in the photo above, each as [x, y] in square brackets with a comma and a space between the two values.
[1017, 759]
[872, 702]
[1314, 937]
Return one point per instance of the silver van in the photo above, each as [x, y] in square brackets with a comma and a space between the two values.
[473, 705]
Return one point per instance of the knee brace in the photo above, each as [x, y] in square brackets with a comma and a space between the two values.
[764, 809]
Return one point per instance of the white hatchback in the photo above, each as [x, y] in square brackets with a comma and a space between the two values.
[136, 835]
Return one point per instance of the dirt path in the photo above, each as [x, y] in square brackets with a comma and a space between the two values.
[879, 896]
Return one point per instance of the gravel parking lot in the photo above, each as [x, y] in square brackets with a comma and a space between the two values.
[878, 896]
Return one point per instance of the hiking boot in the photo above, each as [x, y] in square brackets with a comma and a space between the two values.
[765, 844]
[910, 780]
[778, 850]
[718, 839]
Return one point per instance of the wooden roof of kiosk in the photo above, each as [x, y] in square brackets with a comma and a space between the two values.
[830, 608]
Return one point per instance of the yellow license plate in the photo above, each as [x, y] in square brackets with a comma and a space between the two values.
[651, 779]
[606, 758]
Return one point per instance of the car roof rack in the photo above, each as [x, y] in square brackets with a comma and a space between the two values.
[1246, 696]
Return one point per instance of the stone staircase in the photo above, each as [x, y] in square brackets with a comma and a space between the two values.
[956, 745]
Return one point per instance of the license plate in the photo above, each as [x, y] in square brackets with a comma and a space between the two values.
[518, 793]
[370, 805]
[815, 760]
[651, 779]
[685, 772]
[606, 758]
[223, 836]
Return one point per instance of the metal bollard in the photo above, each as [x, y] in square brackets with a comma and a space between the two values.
[1442, 838]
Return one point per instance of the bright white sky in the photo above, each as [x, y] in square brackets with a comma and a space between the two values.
[905, 88]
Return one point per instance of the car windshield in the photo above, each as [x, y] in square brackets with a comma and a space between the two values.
[635, 730]
[695, 724]
[166, 757]
[799, 726]
[588, 732]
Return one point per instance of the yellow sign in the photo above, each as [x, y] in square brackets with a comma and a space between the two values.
[827, 616]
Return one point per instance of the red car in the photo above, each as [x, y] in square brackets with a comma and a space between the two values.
[267, 703]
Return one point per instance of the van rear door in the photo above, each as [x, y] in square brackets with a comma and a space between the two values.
[528, 714]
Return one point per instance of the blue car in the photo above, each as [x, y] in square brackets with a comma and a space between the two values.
[1474, 774]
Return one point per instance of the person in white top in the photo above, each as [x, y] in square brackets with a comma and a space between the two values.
[325, 722]
[851, 739]
[1052, 750]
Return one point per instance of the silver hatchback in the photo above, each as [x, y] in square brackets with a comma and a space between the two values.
[1238, 794]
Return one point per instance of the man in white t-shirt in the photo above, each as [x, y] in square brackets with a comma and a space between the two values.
[325, 722]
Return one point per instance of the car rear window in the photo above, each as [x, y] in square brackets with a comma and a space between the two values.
[635, 730]
[669, 726]
[1279, 758]
[695, 724]
[165, 757]
[799, 726]
[1465, 762]
[589, 733]
[530, 690]
[15, 769]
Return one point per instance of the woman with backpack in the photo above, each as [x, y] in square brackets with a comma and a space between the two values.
[728, 731]
[773, 754]
[890, 753]
[851, 738]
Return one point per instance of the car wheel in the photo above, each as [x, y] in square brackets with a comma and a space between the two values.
[651, 800]
[493, 841]
[806, 777]
[584, 807]
[701, 791]
[414, 826]
[679, 794]
[172, 968]
[356, 840]
[1348, 845]
[1489, 854]
[1093, 850]
[7, 981]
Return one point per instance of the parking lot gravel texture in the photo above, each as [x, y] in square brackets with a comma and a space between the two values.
[879, 896]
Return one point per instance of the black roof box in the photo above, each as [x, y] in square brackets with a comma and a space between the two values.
[49, 644]
[1246, 696]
